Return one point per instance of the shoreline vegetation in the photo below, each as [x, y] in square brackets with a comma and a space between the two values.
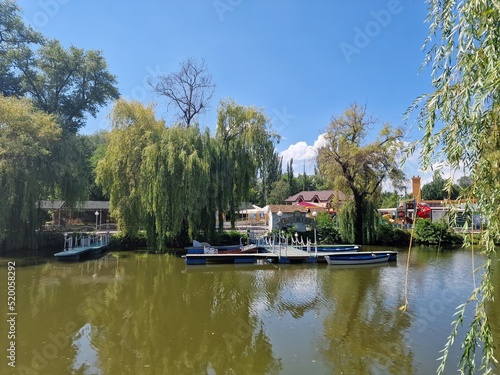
[425, 233]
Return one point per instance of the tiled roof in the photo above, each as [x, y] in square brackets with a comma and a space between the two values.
[287, 208]
[323, 195]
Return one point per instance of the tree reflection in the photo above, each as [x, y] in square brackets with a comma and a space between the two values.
[172, 322]
[362, 334]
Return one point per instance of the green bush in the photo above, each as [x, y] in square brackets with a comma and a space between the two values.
[231, 237]
[50, 240]
[119, 241]
[327, 229]
[427, 232]
[388, 234]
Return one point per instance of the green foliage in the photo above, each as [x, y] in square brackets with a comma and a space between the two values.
[389, 199]
[14, 34]
[359, 169]
[346, 222]
[388, 234]
[50, 240]
[122, 241]
[243, 136]
[428, 232]
[279, 192]
[26, 141]
[231, 237]
[171, 181]
[327, 229]
[119, 173]
[438, 189]
[69, 83]
[174, 177]
[460, 120]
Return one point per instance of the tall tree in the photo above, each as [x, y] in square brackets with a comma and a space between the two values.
[189, 90]
[460, 120]
[242, 135]
[358, 169]
[269, 170]
[175, 185]
[437, 189]
[14, 34]
[95, 148]
[26, 140]
[68, 83]
[292, 188]
[134, 128]
[464, 182]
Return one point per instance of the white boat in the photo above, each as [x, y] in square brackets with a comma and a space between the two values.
[349, 258]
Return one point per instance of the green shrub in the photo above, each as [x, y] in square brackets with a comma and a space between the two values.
[50, 240]
[427, 232]
[388, 234]
[231, 237]
[327, 229]
[119, 241]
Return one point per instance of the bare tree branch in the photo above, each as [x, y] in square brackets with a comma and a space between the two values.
[190, 89]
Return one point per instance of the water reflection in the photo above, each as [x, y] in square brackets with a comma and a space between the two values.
[362, 331]
[136, 313]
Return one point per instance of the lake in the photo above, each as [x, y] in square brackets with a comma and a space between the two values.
[139, 313]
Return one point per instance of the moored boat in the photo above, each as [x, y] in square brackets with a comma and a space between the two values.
[353, 258]
[332, 248]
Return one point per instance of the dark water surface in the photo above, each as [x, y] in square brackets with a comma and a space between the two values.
[137, 313]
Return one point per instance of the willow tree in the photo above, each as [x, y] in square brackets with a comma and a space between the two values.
[26, 139]
[175, 177]
[158, 178]
[134, 128]
[460, 121]
[358, 168]
[243, 136]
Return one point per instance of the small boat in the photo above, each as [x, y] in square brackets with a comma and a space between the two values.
[206, 248]
[350, 258]
[332, 248]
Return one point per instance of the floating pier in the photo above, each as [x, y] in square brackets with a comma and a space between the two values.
[83, 247]
[274, 254]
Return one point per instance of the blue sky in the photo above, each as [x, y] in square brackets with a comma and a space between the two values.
[301, 61]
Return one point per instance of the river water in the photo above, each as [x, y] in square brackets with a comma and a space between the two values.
[138, 313]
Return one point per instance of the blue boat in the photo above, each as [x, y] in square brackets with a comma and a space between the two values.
[332, 248]
[360, 257]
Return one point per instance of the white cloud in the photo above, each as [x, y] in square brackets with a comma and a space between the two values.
[303, 155]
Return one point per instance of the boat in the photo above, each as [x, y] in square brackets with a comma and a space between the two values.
[206, 248]
[352, 258]
[82, 247]
[332, 248]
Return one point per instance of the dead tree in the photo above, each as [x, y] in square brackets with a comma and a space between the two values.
[190, 89]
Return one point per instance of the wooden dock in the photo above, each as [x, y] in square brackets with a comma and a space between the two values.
[274, 254]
